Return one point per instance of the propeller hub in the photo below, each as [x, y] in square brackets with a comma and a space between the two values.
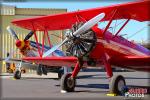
[20, 44]
[76, 40]
[24, 44]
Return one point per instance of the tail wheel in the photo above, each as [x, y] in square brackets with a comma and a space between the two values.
[82, 44]
[117, 84]
[68, 83]
[17, 74]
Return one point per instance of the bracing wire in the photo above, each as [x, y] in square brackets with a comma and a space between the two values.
[137, 32]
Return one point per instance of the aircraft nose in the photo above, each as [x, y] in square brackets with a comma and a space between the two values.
[19, 44]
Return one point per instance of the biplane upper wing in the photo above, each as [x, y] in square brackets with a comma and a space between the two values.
[132, 10]
[53, 60]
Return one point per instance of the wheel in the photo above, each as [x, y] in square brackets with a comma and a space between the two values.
[17, 74]
[117, 84]
[67, 82]
[44, 70]
[39, 70]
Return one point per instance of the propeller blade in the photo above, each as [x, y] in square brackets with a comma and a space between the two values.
[54, 48]
[89, 24]
[29, 35]
[9, 56]
[12, 32]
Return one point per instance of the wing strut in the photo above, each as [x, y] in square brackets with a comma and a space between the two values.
[36, 39]
[80, 17]
[43, 42]
[122, 27]
[109, 22]
[49, 42]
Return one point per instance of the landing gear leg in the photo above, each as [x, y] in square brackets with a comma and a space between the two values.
[107, 67]
[117, 82]
[68, 80]
[17, 73]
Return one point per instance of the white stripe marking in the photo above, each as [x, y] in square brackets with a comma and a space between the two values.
[136, 52]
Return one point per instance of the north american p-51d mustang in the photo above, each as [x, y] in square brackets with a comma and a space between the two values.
[88, 45]
[29, 49]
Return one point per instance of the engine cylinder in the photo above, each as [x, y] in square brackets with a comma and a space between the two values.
[82, 44]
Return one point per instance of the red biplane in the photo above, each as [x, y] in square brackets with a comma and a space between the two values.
[88, 45]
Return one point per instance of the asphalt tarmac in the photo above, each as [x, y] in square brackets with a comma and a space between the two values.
[90, 85]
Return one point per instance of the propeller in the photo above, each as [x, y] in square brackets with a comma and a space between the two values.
[89, 24]
[20, 44]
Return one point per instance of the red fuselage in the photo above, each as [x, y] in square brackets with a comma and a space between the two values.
[117, 49]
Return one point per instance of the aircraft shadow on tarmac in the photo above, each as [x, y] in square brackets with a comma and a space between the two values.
[33, 78]
[96, 76]
[102, 76]
[148, 78]
[103, 70]
[97, 86]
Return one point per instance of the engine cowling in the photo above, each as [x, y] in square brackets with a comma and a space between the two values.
[82, 44]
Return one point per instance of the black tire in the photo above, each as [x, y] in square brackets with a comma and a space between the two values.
[68, 83]
[44, 70]
[39, 70]
[117, 84]
[17, 74]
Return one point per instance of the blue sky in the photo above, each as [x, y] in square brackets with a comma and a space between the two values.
[130, 29]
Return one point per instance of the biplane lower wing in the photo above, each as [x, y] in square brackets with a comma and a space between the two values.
[53, 61]
[132, 60]
[139, 63]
